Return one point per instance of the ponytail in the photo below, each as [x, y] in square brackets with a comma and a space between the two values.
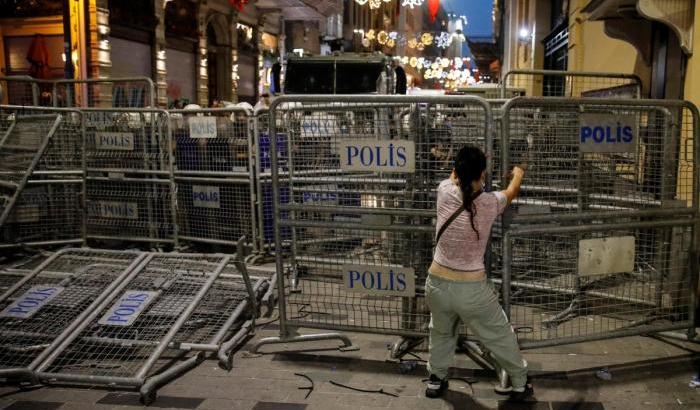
[468, 203]
[470, 163]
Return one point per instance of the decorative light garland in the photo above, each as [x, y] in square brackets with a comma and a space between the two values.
[391, 39]
[412, 3]
[451, 72]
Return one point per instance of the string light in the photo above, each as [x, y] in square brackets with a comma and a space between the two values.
[419, 41]
[412, 3]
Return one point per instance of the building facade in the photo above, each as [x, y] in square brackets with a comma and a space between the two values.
[195, 51]
[652, 39]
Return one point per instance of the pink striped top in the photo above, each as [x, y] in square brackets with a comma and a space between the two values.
[459, 249]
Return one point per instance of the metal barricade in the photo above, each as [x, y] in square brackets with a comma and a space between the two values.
[46, 305]
[128, 176]
[344, 217]
[20, 90]
[129, 92]
[131, 333]
[214, 176]
[556, 83]
[601, 242]
[563, 287]
[593, 156]
[264, 144]
[226, 315]
[48, 209]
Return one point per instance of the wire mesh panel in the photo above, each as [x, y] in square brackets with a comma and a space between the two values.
[601, 156]
[225, 316]
[121, 342]
[9, 278]
[136, 92]
[586, 282]
[19, 90]
[218, 311]
[362, 176]
[47, 212]
[129, 210]
[127, 141]
[554, 83]
[129, 187]
[22, 144]
[214, 175]
[49, 208]
[64, 154]
[37, 310]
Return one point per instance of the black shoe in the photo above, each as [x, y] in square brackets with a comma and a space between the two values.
[521, 396]
[436, 387]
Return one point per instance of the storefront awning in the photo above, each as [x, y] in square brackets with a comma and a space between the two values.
[676, 14]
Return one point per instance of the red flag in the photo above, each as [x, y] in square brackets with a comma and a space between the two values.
[433, 7]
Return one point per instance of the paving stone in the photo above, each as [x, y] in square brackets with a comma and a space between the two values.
[278, 406]
[162, 401]
[538, 405]
[568, 405]
[34, 405]
[94, 406]
[63, 395]
[219, 404]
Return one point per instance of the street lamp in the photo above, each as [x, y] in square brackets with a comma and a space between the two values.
[524, 34]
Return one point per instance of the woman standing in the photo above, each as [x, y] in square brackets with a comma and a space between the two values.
[457, 287]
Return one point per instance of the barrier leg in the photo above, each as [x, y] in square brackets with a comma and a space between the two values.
[293, 337]
[148, 391]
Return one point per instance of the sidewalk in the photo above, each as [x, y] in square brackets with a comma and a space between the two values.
[646, 374]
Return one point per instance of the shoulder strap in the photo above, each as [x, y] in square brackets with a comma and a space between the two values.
[452, 217]
[447, 223]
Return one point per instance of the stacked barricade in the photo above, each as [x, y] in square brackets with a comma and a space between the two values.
[601, 240]
[129, 192]
[121, 318]
[69, 285]
[362, 188]
[48, 208]
[600, 243]
[214, 176]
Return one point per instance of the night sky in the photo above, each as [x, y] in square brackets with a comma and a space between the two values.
[478, 14]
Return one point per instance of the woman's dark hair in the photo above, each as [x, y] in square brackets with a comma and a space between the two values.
[470, 163]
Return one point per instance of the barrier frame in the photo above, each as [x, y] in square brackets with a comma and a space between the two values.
[163, 176]
[635, 80]
[58, 177]
[28, 372]
[150, 103]
[219, 177]
[288, 326]
[642, 327]
[662, 106]
[140, 379]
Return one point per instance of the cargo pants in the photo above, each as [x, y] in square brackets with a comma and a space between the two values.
[476, 304]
